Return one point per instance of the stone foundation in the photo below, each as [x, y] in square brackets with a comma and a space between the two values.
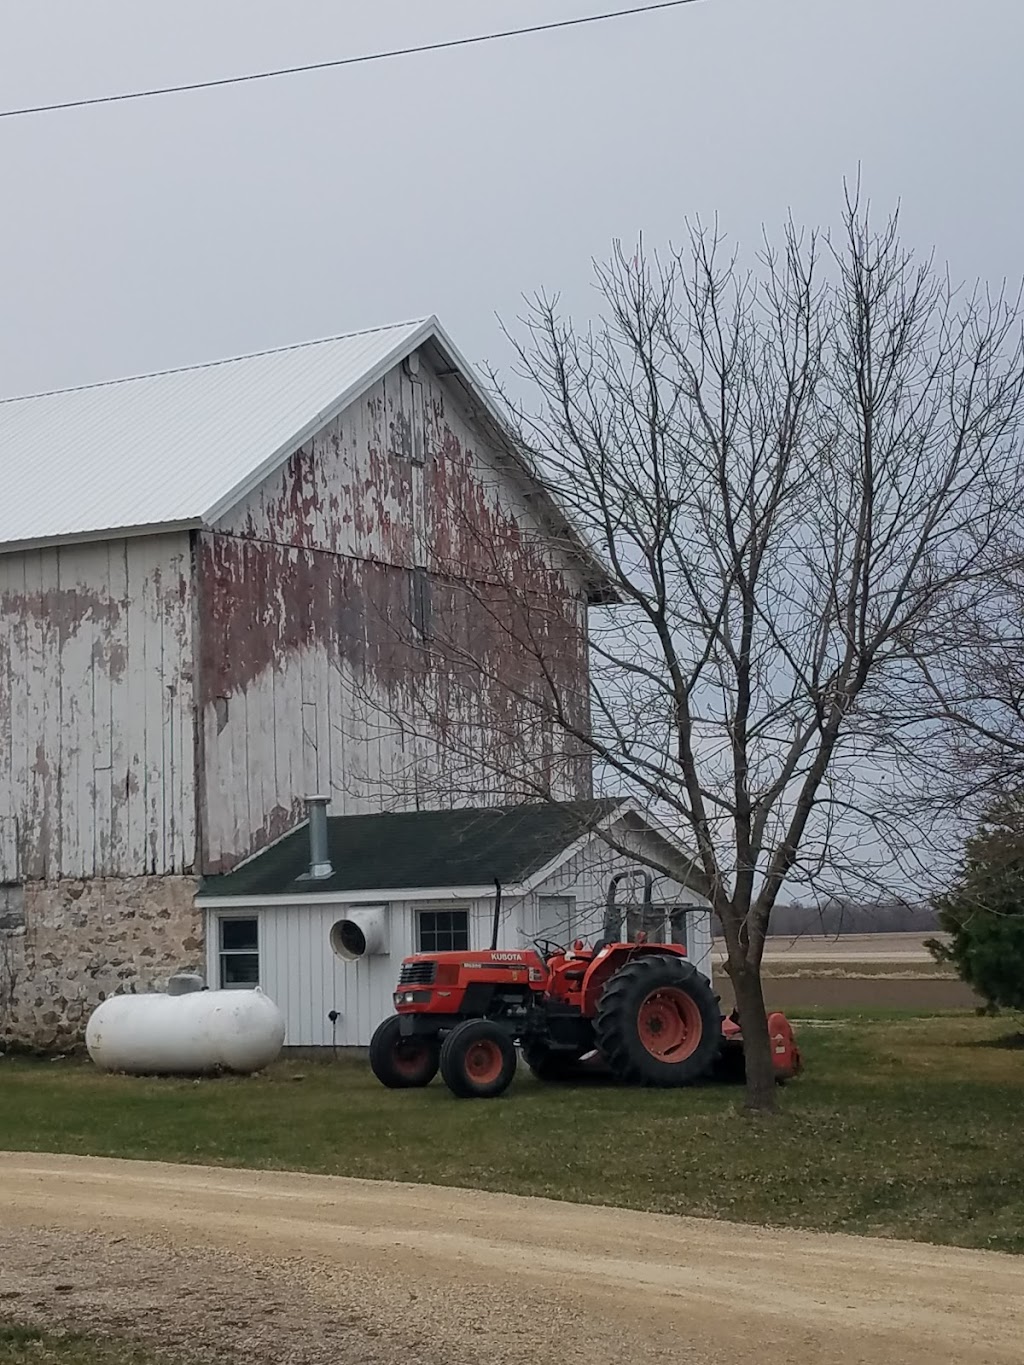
[67, 945]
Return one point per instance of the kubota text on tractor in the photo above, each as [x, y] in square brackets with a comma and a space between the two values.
[643, 1008]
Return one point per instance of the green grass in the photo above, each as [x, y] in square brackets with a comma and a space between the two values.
[20, 1345]
[899, 1127]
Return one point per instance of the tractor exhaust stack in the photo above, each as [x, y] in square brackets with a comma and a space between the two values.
[497, 914]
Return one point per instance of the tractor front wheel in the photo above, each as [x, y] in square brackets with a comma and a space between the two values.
[402, 1063]
[658, 1022]
[478, 1060]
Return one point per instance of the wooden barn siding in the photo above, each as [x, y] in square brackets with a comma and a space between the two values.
[96, 720]
[402, 477]
[305, 591]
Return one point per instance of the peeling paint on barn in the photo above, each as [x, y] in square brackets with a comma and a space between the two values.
[308, 598]
[96, 761]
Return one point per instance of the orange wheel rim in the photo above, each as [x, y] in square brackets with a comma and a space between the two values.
[484, 1061]
[669, 1024]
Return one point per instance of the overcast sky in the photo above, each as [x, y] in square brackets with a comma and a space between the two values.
[190, 227]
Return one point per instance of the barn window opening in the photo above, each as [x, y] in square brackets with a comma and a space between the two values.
[443, 931]
[239, 954]
[420, 603]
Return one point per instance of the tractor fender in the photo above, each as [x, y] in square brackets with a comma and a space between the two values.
[609, 959]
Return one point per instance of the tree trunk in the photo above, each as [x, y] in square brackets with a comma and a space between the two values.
[757, 1048]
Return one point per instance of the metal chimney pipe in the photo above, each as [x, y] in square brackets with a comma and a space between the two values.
[319, 858]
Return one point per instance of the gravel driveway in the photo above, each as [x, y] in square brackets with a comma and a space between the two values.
[281, 1267]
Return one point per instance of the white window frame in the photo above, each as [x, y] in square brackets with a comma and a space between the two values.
[219, 952]
[420, 911]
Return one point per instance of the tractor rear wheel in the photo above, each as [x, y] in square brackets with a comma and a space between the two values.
[658, 1022]
[549, 1064]
[478, 1060]
[402, 1063]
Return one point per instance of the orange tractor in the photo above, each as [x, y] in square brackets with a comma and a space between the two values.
[640, 1008]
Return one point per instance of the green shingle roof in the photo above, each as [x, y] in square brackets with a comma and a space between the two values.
[439, 848]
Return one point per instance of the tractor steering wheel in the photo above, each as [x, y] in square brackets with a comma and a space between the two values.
[547, 948]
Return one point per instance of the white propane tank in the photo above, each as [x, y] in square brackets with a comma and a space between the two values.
[189, 1034]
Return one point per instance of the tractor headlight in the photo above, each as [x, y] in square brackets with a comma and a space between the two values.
[411, 997]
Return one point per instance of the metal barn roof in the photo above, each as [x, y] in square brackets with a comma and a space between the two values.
[178, 447]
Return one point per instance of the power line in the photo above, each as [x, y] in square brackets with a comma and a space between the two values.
[343, 61]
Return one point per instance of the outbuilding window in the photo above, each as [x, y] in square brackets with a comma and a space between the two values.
[239, 954]
[443, 931]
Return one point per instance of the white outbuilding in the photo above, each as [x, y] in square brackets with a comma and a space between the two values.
[321, 923]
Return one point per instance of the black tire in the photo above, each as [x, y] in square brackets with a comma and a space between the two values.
[402, 1063]
[478, 1060]
[658, 1022]
[549, 1064]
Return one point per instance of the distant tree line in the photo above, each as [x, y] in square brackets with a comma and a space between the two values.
[837, 917]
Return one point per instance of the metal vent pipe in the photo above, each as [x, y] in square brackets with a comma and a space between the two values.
[319, 858]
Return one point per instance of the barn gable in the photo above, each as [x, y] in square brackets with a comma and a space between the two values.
[309, 590]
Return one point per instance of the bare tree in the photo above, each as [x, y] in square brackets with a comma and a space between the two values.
[787, 471]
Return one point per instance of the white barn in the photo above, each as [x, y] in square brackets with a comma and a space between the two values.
[200, 572]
